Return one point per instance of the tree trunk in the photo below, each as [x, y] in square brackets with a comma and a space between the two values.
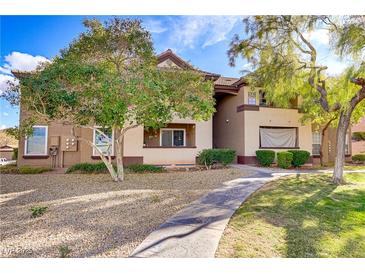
[120, 152]
[342, 128]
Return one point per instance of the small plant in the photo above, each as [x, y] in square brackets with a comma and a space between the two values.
[285, 159]
[38, 211]
[358, 158]
[155, 199]
[64, 251]
[15, 154]
[93, 168]
[300, 157]
[265, 157]
[223, 156]
[140, 168]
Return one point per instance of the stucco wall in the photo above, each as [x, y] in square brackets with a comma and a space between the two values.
[228, 130]
[274, 117]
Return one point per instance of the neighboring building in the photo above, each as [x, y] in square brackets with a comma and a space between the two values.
[244, 121]
[7, 152]
[358, 146]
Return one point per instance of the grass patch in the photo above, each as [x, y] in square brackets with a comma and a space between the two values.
[38, 211]
[13, 169]
[300, 216]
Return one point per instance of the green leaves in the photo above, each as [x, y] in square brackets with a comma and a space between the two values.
[108, 76]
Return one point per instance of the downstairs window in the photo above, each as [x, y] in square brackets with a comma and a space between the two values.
[278, 137]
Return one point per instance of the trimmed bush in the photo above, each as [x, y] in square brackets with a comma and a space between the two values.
[300, 157]
[13, 169]
[359, 158]
[223, 156]
[139, 168]
[358, 136]
[285, 159]
[93, 168]
[265, 157]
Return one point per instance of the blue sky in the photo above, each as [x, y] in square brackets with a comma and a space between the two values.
[201, 40]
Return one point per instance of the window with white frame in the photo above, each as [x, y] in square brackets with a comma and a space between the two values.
[104, 140]
[36, 144]
[172, 137]
[316, 143]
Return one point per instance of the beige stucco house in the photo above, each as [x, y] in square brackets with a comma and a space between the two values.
[358, 146]
[243, 121]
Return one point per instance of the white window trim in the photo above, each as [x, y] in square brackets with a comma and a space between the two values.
[113, 141]
[172, 135]
[45, 145]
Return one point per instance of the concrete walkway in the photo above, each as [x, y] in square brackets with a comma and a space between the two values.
[196, 230]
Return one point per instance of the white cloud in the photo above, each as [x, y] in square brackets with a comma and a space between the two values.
[319, 36]
[21, 61]
[5, 114]
[204, 31]
[154, 26]
[4, 79]
[3, 127]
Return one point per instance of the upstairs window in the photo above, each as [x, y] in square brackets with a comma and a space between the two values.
[262, 96]
[172, 137]
[36, 144]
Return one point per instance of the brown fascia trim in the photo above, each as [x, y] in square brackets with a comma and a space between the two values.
[279, 107]
[182, 147]
[248, 107]
[35, 156]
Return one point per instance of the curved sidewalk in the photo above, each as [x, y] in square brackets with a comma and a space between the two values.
[195, 231]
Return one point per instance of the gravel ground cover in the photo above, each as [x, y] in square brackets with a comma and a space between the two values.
[90, 215]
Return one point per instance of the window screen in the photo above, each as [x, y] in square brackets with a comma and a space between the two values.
[172, 137]
[278, 137]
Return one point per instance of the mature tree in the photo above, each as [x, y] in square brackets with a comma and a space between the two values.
[285, 64]
[109, 78]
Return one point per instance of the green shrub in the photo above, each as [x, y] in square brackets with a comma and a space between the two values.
[265, 157]
[13, 169]
[223, 156]
[285, 159]
[140, 168]
[300, 157]
[38, 211]
[9, 169]
[88, 168]
[32, 170]
[358, 136]
[15, 154]
[358, 158]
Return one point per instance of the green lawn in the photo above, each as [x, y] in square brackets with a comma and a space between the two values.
[301, 216]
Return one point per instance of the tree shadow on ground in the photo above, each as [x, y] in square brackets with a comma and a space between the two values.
[314, 215]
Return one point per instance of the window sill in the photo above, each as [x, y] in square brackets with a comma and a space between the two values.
[35, 156]
[169, 147]
[279, 147]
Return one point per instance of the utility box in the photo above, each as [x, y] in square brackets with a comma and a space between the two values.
[54, 141]
[68, 143]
